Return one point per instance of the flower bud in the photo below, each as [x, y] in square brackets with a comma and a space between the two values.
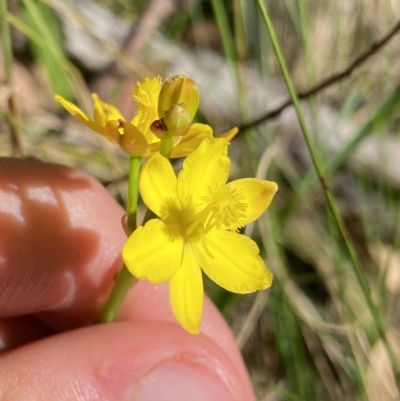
[177, 120]
[176, 90]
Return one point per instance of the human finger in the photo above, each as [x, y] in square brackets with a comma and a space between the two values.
[143, 361]
[60, 244]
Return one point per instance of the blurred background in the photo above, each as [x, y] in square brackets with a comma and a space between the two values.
[328, 329]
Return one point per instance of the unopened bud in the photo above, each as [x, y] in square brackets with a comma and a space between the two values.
[177, 120]
[176, 90]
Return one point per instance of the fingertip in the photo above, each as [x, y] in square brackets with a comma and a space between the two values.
[150, 302]
[142, 361]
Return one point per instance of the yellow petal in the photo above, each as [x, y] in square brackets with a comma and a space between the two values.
[150, 253]
[104, 112]
[112, 129]
[186, 293]
[258, 195]
[154, 147]
[158, 185]
[146, 97]
[235, 263]
[191, 141]
[72, 109]
[207, 167]
[229, 135]
[128, 137]
[80, 115]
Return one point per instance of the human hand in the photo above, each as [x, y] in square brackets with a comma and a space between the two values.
[60, 245]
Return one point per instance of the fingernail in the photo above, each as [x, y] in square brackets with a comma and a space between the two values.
[182, 381]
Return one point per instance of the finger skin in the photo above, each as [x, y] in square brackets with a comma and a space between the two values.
[62, 250]
[61, 244]
[149, 302]
[109, 362]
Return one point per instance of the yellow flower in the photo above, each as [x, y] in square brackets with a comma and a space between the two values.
[135, 137]
[199, 215]
[146, 96]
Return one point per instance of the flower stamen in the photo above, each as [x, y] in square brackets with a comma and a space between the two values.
[227, 208]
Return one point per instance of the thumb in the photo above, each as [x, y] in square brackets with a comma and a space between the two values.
[143, 361]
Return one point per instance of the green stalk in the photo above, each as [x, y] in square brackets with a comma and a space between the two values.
[8, 69]
[374, 309]
[234, 46]
[225, 32]
[124, 280]
[6, 41]
[166, 146]
[133, 191]
[122, 285]
[228, 45]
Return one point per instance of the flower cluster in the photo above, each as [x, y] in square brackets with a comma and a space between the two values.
[197, 214]
[155, 103]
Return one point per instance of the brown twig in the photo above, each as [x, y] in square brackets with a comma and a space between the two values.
[326, 82]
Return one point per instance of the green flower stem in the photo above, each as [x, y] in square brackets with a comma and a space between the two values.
[166, 145]
[133, 191]
[374, 309]
[124, 280]
[122, 285]
[8, 59]
[230, 52]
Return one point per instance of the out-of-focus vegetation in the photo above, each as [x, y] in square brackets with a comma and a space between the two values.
[325, 330]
